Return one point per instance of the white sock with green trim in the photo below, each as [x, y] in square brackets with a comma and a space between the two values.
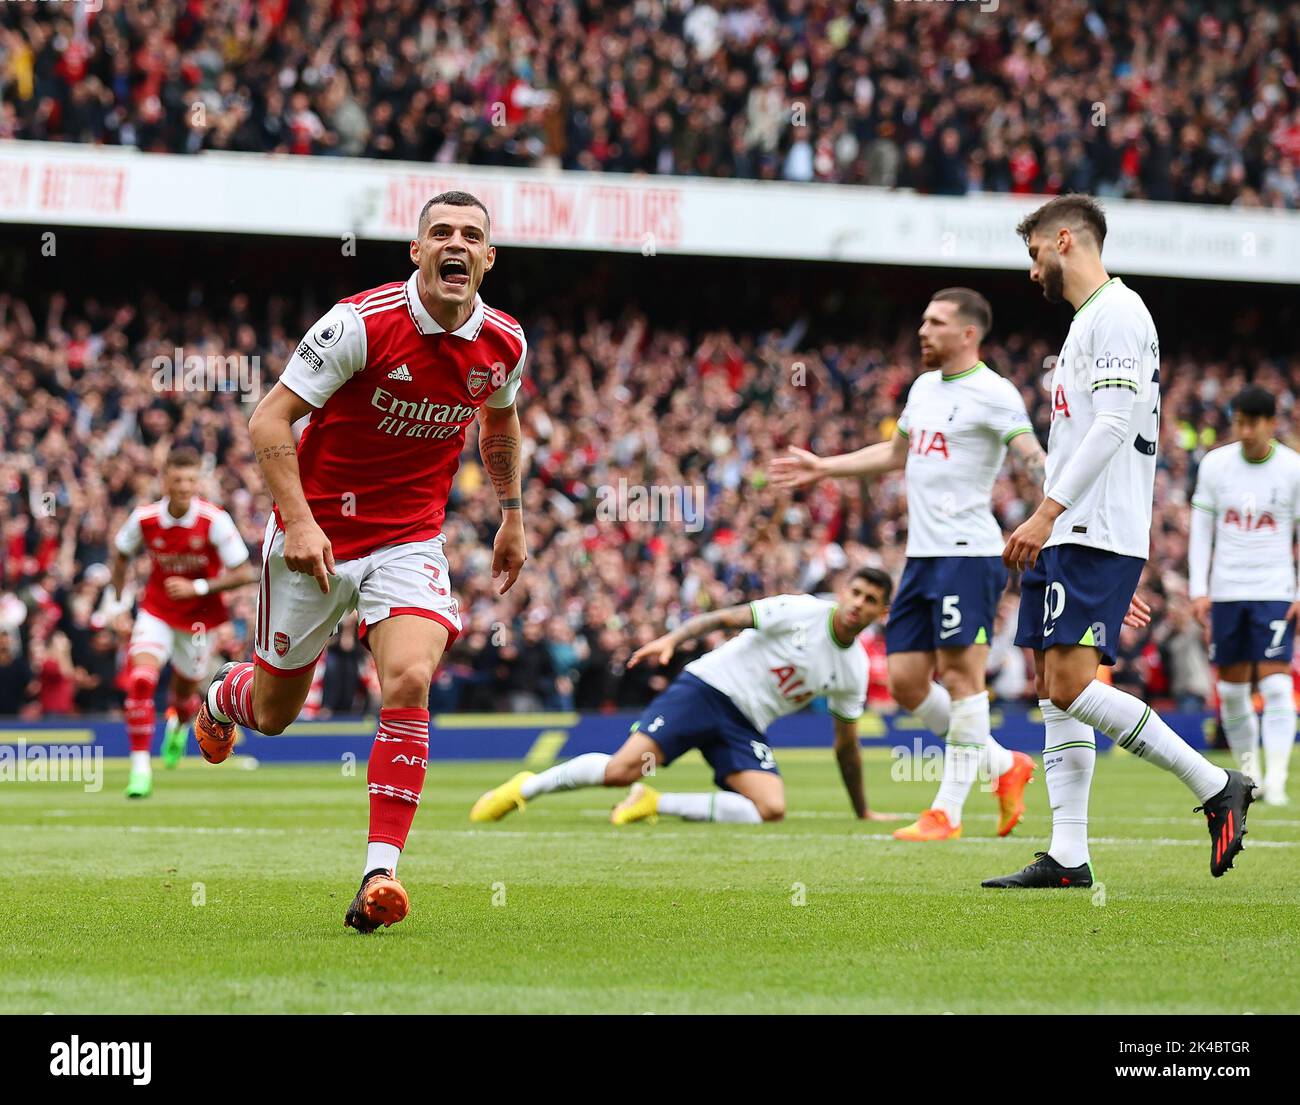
[935, 710]
[720, 805]
[1278, 727]
[587, 770]
[1240, 722]
[1137, 728]
[968, 734]
[1069, 758]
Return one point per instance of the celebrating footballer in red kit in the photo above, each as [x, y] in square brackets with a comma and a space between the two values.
[195, 553]
[359, 442]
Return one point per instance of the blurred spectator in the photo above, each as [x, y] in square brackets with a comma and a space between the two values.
[1183, 103]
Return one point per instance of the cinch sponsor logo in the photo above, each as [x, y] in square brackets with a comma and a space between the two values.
[420, 417]
[88, 1058]
[1110, 362]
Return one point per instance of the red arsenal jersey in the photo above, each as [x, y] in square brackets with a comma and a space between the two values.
[394, 393]
[199, 545]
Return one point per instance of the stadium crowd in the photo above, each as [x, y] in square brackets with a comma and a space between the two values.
[1191, 101]
[611, 408]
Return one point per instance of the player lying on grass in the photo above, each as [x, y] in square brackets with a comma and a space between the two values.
[1244, 515]
[359, 443]
[793, 648]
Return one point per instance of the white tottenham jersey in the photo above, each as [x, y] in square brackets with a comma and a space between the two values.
[1255, 505]
[1112, 343]
[789, 658]
[957, 431]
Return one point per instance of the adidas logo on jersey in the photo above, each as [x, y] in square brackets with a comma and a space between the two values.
[401, 372]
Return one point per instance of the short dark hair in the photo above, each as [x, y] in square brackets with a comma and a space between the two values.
[1255, 402]
[184, 457]
[1073, 209]
[972, 306]
[877, 577]
[452, 199]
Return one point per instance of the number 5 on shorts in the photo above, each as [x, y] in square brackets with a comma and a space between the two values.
[950, 622]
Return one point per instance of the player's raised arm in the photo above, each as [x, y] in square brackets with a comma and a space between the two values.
[500, 441]
[661, 649]
[306, 548]
[798, 468]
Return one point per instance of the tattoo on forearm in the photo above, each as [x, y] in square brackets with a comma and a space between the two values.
[1034, 465]
[276, 452]
[701, 624]
[500, 453]
[850, 760]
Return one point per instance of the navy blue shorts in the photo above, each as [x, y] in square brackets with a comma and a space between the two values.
[1089, 592]
[1250, 631]
[945, 602]
[692, 714]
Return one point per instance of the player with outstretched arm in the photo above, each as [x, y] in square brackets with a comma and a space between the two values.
[793, 648]
[959, 421]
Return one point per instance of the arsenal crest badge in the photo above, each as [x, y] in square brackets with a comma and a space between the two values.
[477, 380]
[281, 643]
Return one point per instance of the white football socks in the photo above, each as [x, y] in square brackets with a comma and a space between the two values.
[1069, 757]
[140, 761]
[1137, 728]
[587, 770]
[1240, 722]
[379, 855]
[935, 710]
[719, 805]
[968, 736]
[935, 713]
[1278, 729]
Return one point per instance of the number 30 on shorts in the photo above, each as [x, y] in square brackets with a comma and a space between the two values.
[1053, 606]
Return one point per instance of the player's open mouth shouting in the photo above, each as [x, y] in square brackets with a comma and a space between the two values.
[453, 272]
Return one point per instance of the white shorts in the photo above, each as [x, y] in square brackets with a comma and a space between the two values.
[295, 620]
[189, 651]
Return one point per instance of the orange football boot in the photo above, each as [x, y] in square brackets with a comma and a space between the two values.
[216, 738]
[932, 825]
[1010, 789]
[381, 900]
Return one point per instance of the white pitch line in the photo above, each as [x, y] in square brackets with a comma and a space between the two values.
[658, 834]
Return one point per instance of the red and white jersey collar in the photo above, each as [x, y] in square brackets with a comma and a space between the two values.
[185, 521]
[427, 324]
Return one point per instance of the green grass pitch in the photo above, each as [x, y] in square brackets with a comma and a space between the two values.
[555, 910]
